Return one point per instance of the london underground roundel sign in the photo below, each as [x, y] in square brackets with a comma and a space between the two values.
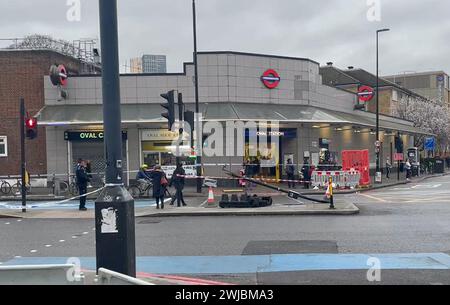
[366, 93]
[58, 75]
[271, 79]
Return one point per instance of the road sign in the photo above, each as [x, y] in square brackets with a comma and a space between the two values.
[398, 157]
[430, 144]
[366, 93]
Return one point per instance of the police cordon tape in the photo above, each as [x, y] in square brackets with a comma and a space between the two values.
[240, 178]
[59, 202]
[34, 176]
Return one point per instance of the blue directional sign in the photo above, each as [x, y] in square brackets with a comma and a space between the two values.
[430, 144]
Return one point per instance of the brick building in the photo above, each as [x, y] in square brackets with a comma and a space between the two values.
[22, 75]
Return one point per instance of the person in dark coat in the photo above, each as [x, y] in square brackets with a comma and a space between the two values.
[82, 182]
[306, 171]
[290, 172]
[159, 188]
[178, 182]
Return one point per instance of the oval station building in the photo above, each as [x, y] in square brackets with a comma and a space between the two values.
[233, 87]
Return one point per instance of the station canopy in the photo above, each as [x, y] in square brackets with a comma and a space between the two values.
[69, 115]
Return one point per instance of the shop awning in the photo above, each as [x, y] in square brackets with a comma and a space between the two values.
[54, 115]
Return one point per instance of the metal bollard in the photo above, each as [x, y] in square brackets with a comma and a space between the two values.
[56, 186]
[332, 207]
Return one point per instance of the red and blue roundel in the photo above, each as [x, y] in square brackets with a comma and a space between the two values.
[271, 79]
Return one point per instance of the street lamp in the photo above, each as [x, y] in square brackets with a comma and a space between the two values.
[378, 109]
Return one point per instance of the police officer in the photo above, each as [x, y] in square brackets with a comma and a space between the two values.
[178, 182]
[82, 183]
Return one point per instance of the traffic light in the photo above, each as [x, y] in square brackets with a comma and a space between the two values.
[31, 125]
[399, 144]
[170, 106]
[189, 117]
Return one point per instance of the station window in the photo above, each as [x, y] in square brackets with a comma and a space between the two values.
[3, 146]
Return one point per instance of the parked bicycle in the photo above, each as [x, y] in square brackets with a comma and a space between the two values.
[17, 188]
[63, 186]
[5, 187]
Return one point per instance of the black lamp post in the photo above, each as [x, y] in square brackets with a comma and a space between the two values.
[197, 106]
[114, 208]
[378, 108]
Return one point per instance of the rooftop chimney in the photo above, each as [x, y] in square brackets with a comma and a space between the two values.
[329, 64]
[351, 68]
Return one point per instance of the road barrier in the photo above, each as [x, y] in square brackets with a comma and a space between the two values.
[39, 275]
[108, 277]
[341, 179]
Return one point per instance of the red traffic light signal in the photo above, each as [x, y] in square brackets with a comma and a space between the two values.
[31, 125]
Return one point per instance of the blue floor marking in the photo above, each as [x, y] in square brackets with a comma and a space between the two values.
[65, 206]
[266, 263]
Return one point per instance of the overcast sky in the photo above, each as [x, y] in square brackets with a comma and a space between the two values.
[323, 30]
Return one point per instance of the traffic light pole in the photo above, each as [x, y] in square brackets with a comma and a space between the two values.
[22, 155]
[197, 106]
[114, 209]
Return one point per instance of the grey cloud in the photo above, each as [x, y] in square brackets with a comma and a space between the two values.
[323, 30]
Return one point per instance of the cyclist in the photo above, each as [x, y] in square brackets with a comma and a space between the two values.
[143, 176]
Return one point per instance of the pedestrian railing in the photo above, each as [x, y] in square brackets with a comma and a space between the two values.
[108, 277]
[40, 275]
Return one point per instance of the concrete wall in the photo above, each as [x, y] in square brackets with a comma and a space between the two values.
[57, 151]
[223, 77]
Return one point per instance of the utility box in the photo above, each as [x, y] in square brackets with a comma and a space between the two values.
[439, 166]
[115, 231]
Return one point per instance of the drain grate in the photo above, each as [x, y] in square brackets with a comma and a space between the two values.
[290, 247]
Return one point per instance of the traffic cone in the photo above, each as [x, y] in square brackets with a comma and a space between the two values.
[211, 195]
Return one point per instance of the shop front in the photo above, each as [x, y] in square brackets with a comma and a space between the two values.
[88, 145]
[267, 151]
[158, 148]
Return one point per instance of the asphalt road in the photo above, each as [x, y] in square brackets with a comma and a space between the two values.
[400, 221]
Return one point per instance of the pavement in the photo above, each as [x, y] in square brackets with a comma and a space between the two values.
[197, 207]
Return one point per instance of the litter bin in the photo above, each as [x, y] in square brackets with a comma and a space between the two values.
[439, 166]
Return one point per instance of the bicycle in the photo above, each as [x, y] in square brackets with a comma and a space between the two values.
[17, 188]
[63, 186]
[141, 189]
[5, 187]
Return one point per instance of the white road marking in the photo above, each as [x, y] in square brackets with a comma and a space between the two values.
[7, 223]
[374, 198]
[19, 220]
[62, 240]
[17, 256]
[48, 246]
[85, 233]
[33, 251]
[74, 237]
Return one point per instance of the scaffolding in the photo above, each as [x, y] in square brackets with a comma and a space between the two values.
[85, 50]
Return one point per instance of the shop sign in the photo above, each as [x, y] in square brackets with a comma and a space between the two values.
[288, 133]
[190, 170]
[161, 135]
[88, 136]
